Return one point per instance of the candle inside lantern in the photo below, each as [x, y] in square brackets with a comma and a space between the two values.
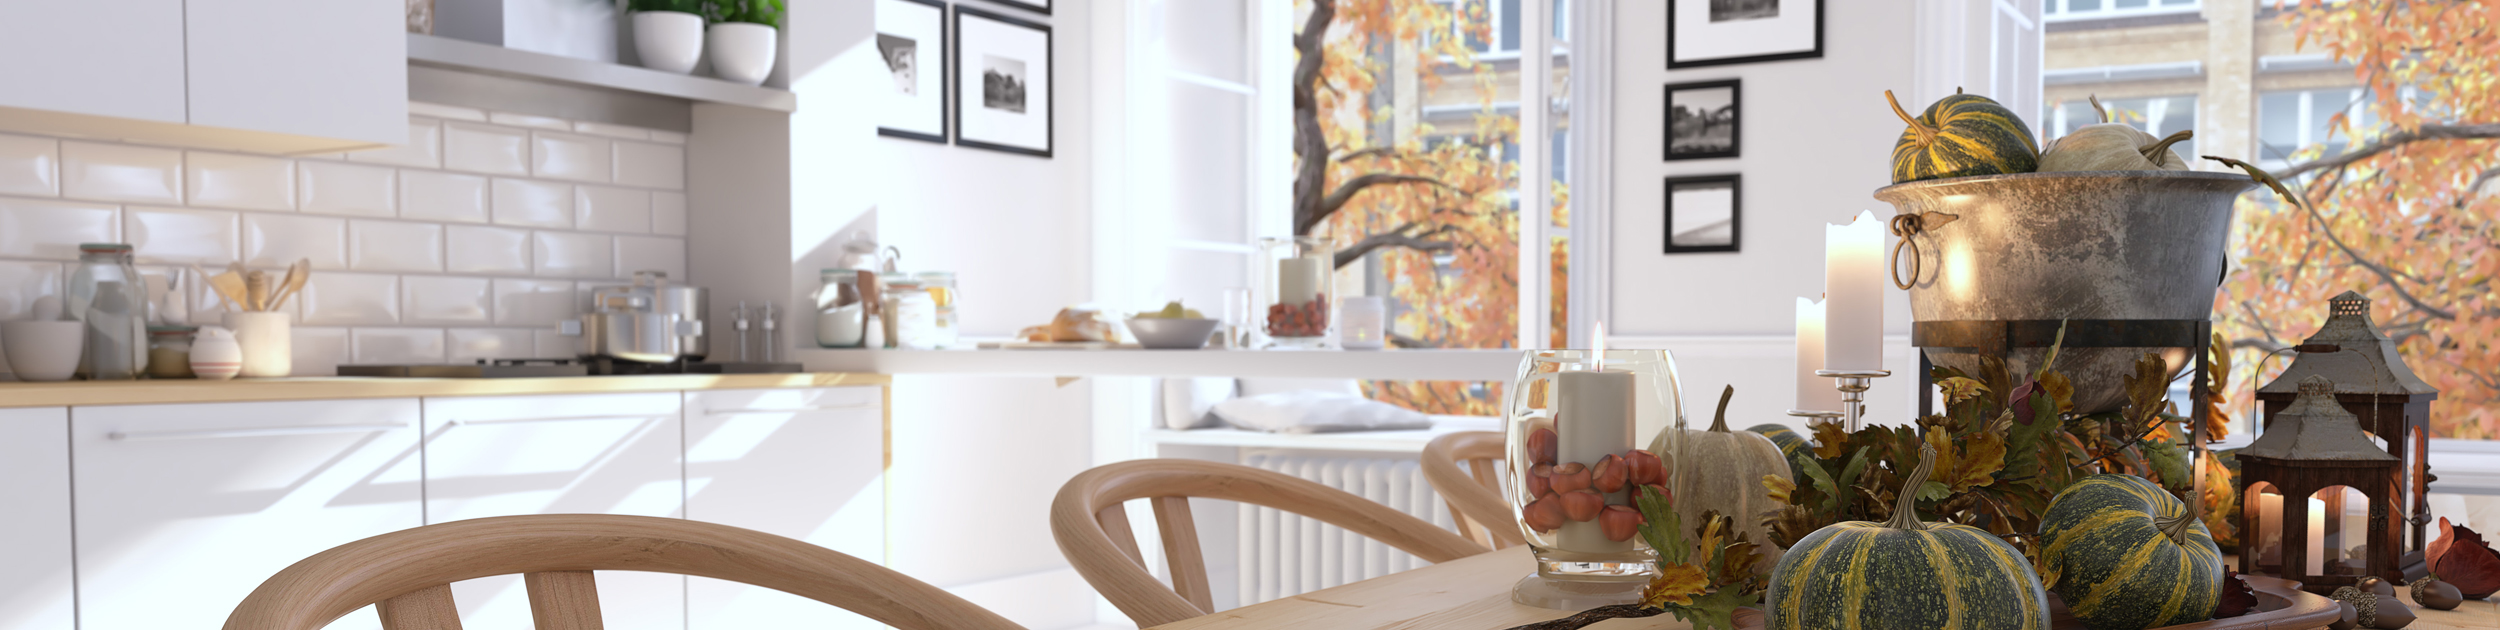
[1814, 393]
[1853, 292]
[2269, 529]
[2317, 537]
[1594, 417]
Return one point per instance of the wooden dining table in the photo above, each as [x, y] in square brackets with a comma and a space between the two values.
[1473, 593]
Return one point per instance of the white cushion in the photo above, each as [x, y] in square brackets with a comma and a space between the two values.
[1309, 411]
[1188, 403]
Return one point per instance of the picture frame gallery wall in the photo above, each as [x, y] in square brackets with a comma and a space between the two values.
[1704, 120]
[983, 80]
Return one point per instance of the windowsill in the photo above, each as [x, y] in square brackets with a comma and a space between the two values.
[2132, 19]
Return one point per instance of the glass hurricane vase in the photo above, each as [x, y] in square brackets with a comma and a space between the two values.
[1574, 438]
[1301, 291]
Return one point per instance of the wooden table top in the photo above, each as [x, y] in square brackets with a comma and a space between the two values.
[1473, 593]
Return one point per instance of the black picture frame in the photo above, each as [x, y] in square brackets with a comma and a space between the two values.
[1735, 125]
[1735, 185]
[946, 84]
[1036, 6]
[1675, 63]
[1050, 131]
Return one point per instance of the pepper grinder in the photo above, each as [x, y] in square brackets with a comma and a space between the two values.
[772, 331]
[738, 319]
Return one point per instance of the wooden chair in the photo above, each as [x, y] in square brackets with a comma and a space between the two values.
[409, 573]
[1474, 494]
[1093, 529]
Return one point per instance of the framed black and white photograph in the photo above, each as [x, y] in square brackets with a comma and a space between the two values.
[1704, 213]
[1002, 74]
[911, 37]
[1041, 6]
[1704, 33]
[1702, 120]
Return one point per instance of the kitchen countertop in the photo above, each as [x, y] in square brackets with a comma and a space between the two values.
[150, 392]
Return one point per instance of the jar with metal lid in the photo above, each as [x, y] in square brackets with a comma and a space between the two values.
[842, 308]
[941, 287]
[169, 351]
[108, 294]
[911, 315]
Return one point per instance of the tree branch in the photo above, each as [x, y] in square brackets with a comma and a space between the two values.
[1310, 146]
[1345, 193]
[1370, 152]
[1396, 238]
[2392, 140]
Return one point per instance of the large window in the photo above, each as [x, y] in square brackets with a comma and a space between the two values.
[2092, 9]
[2160, 116]
[2290, 121]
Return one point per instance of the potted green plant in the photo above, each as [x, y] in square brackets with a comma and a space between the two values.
[744, 38]
[668, 34]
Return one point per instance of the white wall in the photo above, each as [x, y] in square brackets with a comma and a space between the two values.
[1817, 140]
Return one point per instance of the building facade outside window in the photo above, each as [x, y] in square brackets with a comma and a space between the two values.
[2092, 9]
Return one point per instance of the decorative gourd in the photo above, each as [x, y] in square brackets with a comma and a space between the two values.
[1961, 136]
[1790, 444]
[1902, 574]
[2126, 555]
[1725, 474]
[2110, 146]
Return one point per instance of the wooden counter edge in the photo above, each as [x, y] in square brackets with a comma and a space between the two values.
[157, 392]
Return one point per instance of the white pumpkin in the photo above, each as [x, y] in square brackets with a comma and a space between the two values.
[1724, 474]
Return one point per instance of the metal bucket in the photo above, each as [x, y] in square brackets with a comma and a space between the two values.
[2079, 245]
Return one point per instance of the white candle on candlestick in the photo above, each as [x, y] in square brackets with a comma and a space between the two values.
[1814, 393]
[1853, 295]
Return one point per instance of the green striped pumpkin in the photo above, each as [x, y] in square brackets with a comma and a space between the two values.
[1902, 574]
[1790, 442]
[1962, 136]
[2126, 555]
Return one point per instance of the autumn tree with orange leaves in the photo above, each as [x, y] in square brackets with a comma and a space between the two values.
[2408, 215]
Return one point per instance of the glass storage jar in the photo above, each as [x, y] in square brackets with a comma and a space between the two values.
[911, 315]
[942, 290]
[108, 294]
[169, 351]
[842, 309]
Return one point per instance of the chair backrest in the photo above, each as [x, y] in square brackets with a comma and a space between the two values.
[1473, 492]
[1093, 529]
[409, 573]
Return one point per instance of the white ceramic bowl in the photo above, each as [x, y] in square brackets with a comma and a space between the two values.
[1172, 334]
[43, 351]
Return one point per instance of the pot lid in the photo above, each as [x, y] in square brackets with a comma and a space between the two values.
[2316, 427]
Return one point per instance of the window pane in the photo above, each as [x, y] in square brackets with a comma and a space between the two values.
[2075, 6]
[2278, 125]
[1210, 151]
[2129, 4]
[1207, 37]
[1510, 25]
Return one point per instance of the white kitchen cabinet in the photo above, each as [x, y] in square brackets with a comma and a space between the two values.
[570, 454]
[125, 62]
[181, 510]
[35, 591]
[802, 463]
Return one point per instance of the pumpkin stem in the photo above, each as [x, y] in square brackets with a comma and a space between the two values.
[2175, 527]
[2158, 150]
[1926, 134]
[2096, 107]
[1905, 507]
[1719, 425]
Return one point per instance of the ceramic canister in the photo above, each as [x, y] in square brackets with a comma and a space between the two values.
[268, 345]
[214, 354]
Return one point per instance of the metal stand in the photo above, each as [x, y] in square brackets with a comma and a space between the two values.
[1853, 385]
[1999, 337]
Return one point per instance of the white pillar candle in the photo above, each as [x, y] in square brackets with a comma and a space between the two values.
[1814, 393]
[1594, 419]
[2317, 537]
[1298, 279]
[2269, 529]
[1853, 294]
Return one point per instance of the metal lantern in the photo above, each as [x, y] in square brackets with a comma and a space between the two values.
[2313, 445]
[2373, 383]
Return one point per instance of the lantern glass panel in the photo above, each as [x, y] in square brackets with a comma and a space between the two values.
[2343, 514]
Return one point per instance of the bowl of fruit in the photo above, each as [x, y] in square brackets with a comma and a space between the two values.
[1173, 328]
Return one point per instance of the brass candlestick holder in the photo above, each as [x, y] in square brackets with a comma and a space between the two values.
[1814, 417]
[1853, 385]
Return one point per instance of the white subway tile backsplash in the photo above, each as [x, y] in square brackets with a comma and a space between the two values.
[613, 131]
[120, 172]
[394, 246]
[568, 156]
[584, 293]
[242, 182]
[533, 203]
[485, 149]
[439, 196]
[651, 253]
[554, 344]
[651, 165]
[278, 240]
[350, 299]
[423, 150]
[320, 351]
[347, 189]
[668, 213]
[446, 300]
[471, 344]
[22, 282]
[533, 303]
[48, 228]
[398, 345]
[489, 250]
[667, 137]
[569, 255]
[30, 166]
[174, 235]
[452, 112]
[604, 209]
[526, 120]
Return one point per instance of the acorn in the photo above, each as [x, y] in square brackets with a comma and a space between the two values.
[1540, 479]
[1544, 514]
[1620, 523]
[1571, 476]
[1647, 469]
[2435, 594]
[1582, 505]
[1609, 474]
[1542, 443]
[2110, 146]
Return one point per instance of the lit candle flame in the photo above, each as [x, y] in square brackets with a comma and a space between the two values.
[1599, 334]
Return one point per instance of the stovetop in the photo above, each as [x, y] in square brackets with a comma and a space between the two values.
[541, 368]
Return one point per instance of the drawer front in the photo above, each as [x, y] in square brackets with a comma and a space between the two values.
[802, 463]
[183, 509]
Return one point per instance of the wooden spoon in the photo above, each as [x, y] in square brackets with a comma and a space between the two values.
[296, 275]
[256, 285]
[229, 285]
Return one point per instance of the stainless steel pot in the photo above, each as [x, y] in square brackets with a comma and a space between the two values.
[649, 322]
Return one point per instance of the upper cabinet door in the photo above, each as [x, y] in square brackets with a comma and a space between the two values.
[35, 566]
[120, 59]
[330, 69]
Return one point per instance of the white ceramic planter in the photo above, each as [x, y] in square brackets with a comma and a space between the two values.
[742, 52]
[668, 41]
[268, 343]
[43, 351]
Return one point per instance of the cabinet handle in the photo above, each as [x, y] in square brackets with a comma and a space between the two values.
[732, 412]
[151, 436]
[553, 419]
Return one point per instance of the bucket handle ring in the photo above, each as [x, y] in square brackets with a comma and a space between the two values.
[1906, 226]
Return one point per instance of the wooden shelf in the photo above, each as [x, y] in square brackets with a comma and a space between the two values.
[445, 52]
[1418, 365]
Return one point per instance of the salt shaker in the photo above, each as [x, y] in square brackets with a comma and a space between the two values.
[738, 319]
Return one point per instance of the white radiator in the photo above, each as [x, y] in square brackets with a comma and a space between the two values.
[1283, 554]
